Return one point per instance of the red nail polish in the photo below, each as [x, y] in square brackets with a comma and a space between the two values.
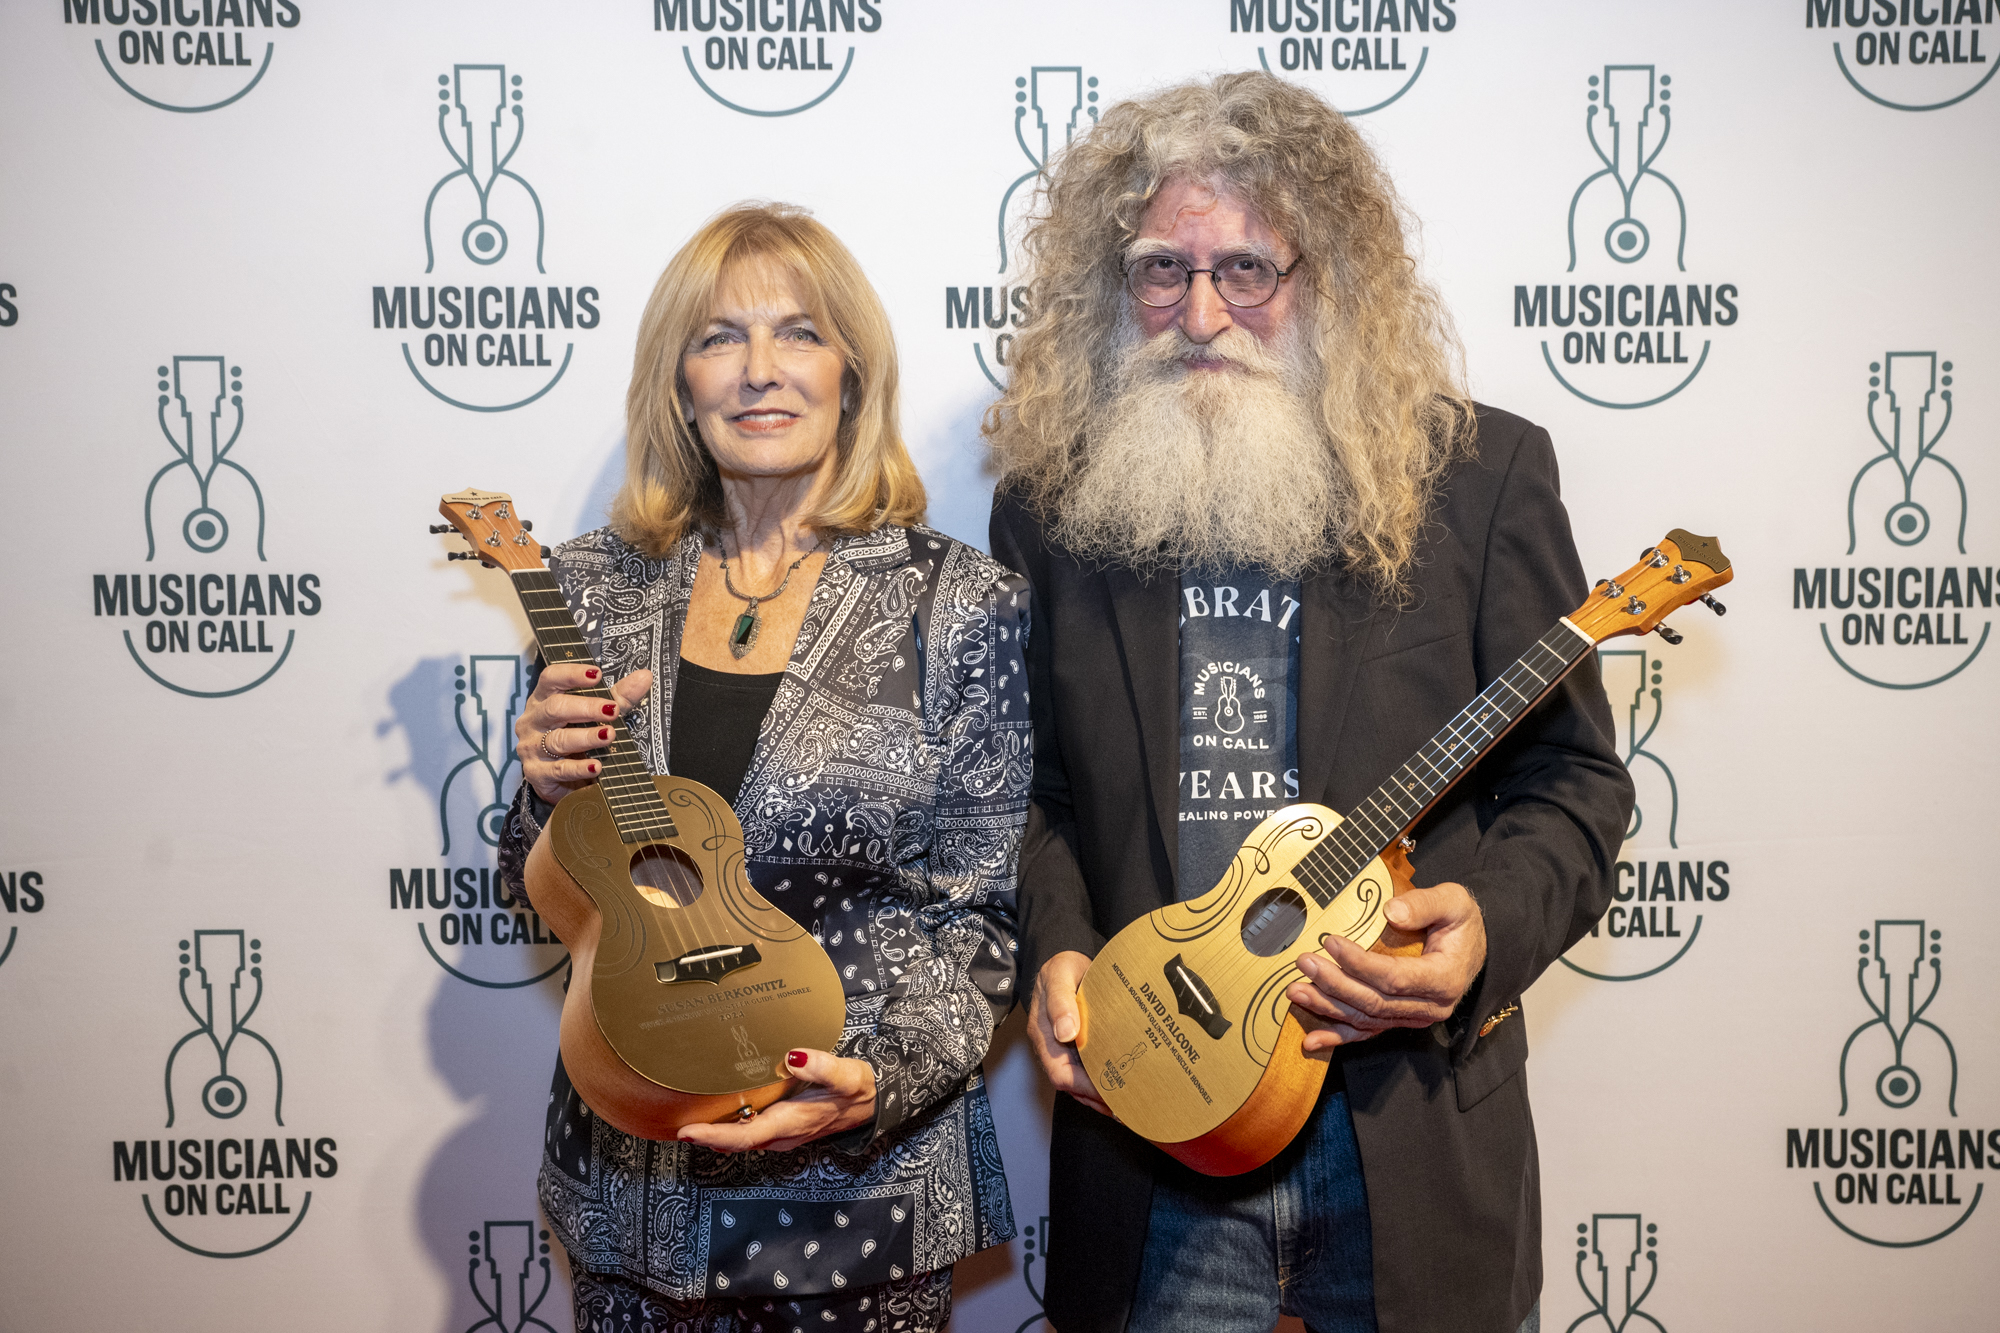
[590, 673]
[604, 733]
[593, 768]
[610, 710]
[796, 1059]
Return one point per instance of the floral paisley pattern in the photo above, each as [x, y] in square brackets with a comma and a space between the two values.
[882, 810]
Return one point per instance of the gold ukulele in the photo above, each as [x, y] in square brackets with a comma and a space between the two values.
[687, 988]
[1186, 1030]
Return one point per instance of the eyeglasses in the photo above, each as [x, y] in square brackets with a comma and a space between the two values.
[1242, 280]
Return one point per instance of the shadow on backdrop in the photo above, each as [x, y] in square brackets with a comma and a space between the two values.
[596, 509]
[476, 1205]
[955, 476]
[493, 1039]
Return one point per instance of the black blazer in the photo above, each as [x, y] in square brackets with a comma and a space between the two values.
[1447, 1140]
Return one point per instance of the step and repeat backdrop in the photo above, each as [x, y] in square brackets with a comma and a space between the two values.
[277, 273]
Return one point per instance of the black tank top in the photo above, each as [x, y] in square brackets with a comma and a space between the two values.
[714, 733]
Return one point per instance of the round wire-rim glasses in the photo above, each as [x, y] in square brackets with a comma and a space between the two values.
[1244, 281]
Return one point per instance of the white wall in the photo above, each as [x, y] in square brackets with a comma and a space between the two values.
[1837, 789]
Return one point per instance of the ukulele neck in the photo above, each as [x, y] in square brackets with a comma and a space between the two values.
[629, 792]
[1392, 809]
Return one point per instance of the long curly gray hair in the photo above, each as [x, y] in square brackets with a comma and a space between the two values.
[1392, 408]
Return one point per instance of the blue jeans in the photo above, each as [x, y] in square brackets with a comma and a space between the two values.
[1230, 1254]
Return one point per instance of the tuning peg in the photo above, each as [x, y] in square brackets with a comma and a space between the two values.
[1667, 632]
[461, 555]
[526, 526]
[1714, 605]
[442, 528]
[546, 553]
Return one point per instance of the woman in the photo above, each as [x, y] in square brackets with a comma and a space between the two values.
[780, 627]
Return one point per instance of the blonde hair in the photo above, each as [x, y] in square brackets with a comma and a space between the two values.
[671, 482]
[1393, 407]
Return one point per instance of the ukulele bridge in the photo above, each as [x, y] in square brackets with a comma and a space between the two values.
[1194, 999]
[710, 965]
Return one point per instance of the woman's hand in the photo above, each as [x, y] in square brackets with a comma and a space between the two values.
[840, 1095]
[556, 727]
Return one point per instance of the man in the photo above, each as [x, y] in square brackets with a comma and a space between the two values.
[1273, 549]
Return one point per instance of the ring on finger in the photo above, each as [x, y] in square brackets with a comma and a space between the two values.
[547, 753]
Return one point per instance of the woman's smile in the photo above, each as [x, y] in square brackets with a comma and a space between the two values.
[763, 419]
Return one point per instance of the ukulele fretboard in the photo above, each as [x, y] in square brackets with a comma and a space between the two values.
[1374, 825]
[629, 792]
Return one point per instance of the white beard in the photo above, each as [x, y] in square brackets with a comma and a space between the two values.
[1205, 468]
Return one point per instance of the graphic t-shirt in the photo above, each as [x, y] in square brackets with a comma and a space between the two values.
[1239, 719]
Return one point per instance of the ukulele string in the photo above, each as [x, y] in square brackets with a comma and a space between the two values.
[623, 776]
[624, 751]
[1461, 743]
[686, 928]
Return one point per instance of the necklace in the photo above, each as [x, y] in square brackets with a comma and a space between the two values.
[743, 635]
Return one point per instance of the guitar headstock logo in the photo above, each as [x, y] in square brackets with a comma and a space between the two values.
[1662, 890]
[1903, 1162]
[1617, 1266]
[1905, 606]
[456, 720]
[238, 1174]
[1050, 106]
[1627, 324]
[204, 611]
[507, 1268]
[484, 327]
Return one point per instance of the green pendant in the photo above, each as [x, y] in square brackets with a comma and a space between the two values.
[744, 636]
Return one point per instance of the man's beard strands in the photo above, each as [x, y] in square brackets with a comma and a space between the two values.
[1205, 469]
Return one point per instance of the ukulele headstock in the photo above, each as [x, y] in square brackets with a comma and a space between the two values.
[1683, 568]
[498, 535]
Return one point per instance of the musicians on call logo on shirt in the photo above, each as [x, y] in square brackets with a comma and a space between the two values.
[1053, 104]
[769, 57]
[1904, 609]
[1909, 55]
[1899, 1165]
[460, 734]
[1617, 1266]
[204, 613]
[507, 1267]
[1627, 324]
[1663, 892]
[485, 330]
[1361, 55]
[22, 893]
[180, 55]
[234, 1177]
[1239, 662]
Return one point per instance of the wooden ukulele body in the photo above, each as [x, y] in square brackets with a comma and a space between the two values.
[686, 986]
[1187, 1033]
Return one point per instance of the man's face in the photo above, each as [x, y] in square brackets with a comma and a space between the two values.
[1201, 224]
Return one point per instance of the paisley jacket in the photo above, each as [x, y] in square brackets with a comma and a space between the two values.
[883, 810]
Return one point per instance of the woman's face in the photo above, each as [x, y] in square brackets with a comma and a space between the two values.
[763, 383]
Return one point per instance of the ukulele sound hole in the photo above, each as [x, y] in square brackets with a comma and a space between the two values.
[664, 876]
[1273, 921]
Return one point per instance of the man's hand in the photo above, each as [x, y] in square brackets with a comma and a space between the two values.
[1054, 1021]
[1355, 994]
